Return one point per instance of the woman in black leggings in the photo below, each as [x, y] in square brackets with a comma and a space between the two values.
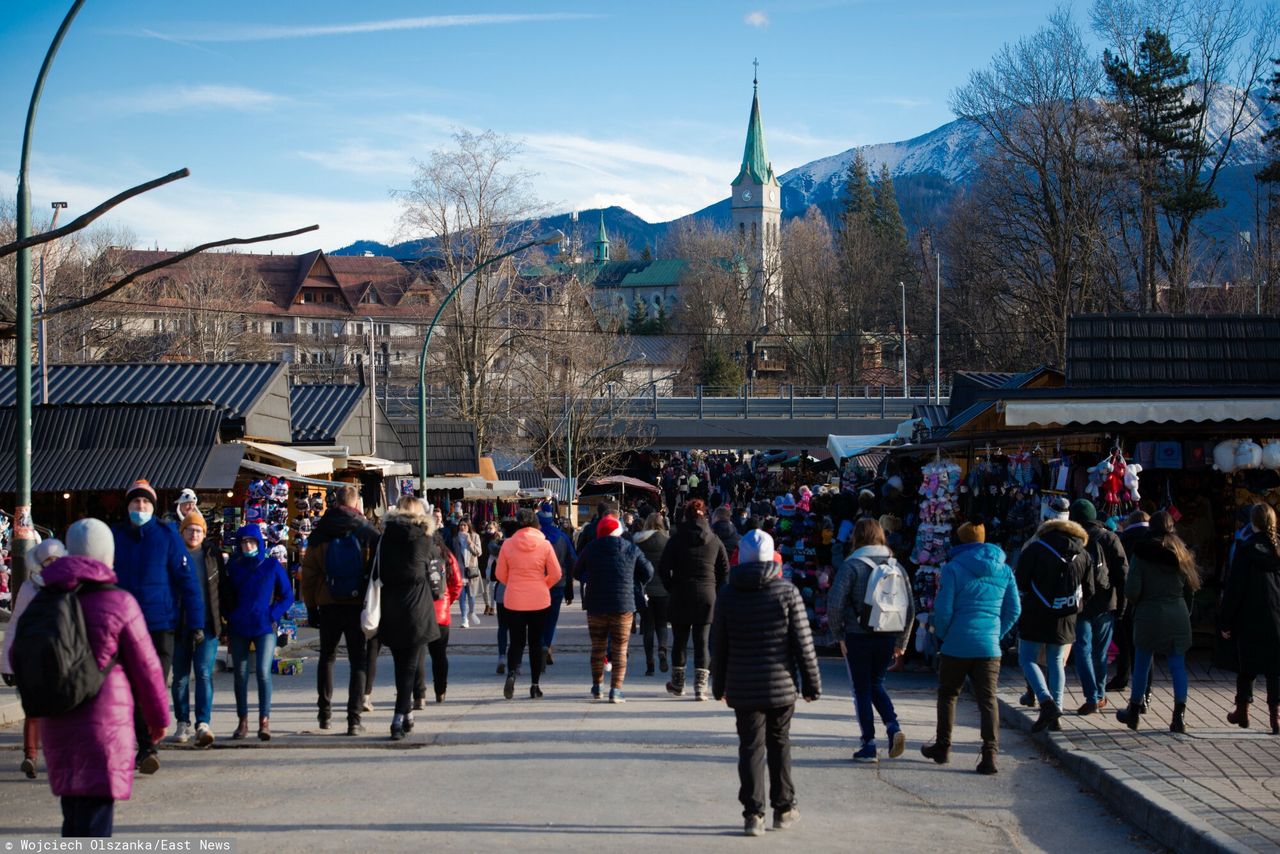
[694, 565]
[653, 617]
[527, 565]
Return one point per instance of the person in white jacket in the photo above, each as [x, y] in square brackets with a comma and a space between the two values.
[45, 553]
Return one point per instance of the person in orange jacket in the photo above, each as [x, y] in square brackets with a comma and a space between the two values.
[528, 567]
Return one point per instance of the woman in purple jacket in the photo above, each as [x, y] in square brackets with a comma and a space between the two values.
[91, 750]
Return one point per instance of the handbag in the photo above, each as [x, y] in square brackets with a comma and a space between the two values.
[371, 614]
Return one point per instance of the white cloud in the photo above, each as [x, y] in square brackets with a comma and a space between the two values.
[169, 99]
[756, 19]
[264, 33]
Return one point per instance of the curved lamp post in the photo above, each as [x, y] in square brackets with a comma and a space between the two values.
[23, 531]
[550, 239]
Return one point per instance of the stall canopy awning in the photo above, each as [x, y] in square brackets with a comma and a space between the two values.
[286, 474]
[1022, 413]
[451, 482]
[294, 459]
[378, 464]
[843, 447]
[492, 490]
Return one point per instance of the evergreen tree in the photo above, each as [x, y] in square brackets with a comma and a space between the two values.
[719, 373]
[859, 200]
[1156, 129]
[886, 219]
[639, 318]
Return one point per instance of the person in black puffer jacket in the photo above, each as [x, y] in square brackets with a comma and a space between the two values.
[694, 565]
[761, 638]
[407, 553]
[722, 526]
[653, 617]
[1054, 575]
[612, 569]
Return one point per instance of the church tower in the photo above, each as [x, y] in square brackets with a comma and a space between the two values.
[755, 199]
[601, 255]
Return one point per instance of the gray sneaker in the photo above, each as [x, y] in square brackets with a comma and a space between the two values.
[783, 820]
[753, 826]
[182, 734]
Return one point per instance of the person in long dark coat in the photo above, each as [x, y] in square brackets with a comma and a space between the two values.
[407, 553]
[1251, 615]
[694, 566]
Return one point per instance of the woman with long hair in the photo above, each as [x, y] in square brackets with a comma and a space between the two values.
[694, 566]
[653, 617]
[1162, 580]
[1251, 615]
[527, 565]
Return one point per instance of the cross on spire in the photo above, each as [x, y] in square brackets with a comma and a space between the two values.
[755, 75]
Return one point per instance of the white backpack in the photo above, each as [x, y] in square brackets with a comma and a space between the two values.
[884, 608]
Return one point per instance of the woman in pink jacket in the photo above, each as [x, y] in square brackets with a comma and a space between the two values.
[91, 751]
[527, 566]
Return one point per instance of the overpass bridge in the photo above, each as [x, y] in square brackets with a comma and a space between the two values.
[794, 418]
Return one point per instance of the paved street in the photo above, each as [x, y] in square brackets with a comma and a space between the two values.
[565, 774]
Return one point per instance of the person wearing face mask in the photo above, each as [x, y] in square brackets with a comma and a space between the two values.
[210, 567]
[262, 594]
[151, 563]
[45, 553]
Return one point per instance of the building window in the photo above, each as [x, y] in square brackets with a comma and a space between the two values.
[308, 296]
[383, 329]
[328, 297]
[277, 327]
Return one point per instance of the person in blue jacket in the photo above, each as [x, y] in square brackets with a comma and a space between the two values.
[977, 604]
[562, 590]
[261, 594]
[151, 563]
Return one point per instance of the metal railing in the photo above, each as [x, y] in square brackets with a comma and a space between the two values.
[831, 402]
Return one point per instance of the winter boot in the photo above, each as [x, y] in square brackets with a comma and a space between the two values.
[939, 753]
[1049, 714]
[648, 666]
[988, 763]
[1240, 717]
[1274, 708]
[676, 685]
[264, 729]
[662, 659]
[700, 679]
[243, 729]
[1129, 715]
[1179, 723]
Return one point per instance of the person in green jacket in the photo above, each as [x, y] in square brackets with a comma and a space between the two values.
[1162, 579]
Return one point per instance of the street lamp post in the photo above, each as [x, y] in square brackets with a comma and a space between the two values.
[23, 529]
[43, 338]
[905, 391]
[550, 239]
[373, 391]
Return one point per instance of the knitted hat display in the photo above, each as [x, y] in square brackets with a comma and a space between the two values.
[141, 488]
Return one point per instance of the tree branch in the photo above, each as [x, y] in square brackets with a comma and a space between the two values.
[86, 218]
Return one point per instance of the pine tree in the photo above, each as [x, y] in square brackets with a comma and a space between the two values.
[639, 316]
[858, 195]
[886, 219]
[1157, 132]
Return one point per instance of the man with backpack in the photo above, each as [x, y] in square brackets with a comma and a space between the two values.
[1054, 575]
[870, 610]
[1098, 613]
[335, 573]
[151, 563]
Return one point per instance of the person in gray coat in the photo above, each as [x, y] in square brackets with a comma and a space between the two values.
[760, 638]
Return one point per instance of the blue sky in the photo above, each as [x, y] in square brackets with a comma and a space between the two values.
[295, 112]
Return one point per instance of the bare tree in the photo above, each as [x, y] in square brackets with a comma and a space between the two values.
[822, 308]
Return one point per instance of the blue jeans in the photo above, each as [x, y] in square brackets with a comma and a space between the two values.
[467, 598]
[868, 657]
[553, 616]
[183, 659]
[1056, 656]
[1093, 638]
[1142, 659]
[264, 651]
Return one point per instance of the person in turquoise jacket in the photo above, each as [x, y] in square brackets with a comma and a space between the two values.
[261, 595]
[977, 604]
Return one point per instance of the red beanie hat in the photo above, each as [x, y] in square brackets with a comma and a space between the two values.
[608, 527]
[140, 489]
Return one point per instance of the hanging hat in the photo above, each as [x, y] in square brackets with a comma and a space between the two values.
[140, 489]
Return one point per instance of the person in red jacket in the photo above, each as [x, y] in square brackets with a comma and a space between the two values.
[438, 648]
[89, 751]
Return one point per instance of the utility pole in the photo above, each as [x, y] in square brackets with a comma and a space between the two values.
[373, 393]
[905, 391]
[42, 341]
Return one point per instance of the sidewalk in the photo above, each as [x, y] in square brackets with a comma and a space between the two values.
[1213, 789]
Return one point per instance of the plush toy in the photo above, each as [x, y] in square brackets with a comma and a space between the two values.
[1097, 475]
[1131, 472]
[1224, 456]
[1113, 484]
[1248, 455]
[1271, 455]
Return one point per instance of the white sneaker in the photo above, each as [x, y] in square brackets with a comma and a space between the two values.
[367, 706]
[465, 624]
[182, 734]
[204, 735]
[475, 621]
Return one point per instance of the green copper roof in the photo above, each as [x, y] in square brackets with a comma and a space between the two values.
[755, 159]
[602, 242]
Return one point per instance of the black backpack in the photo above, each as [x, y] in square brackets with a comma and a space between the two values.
[436, 569]
[1064, 596]
[53, 664]
[344, 566]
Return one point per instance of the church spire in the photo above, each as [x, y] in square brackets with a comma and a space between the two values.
[755, 157]
[602, 243]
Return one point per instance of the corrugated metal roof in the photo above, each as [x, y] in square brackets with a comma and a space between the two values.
[934, 415]
[234, 386]
[451, 446]
[1159, 349]
[527, 478]
[318, 412]
[100, 448]
[660, 350]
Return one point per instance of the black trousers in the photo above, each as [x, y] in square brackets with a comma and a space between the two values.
[1244, 686]
[764, 737]
[439, 665]
[654, 624]
[85, 816]
[1123, 636]
[163, 642]
[373, 648]
[336, 623]
[406, 660]
[983, 673]
[701, 633]
[526, 627]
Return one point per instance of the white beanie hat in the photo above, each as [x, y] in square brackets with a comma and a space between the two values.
[93, 539]
[755, 547]
[47, 550]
